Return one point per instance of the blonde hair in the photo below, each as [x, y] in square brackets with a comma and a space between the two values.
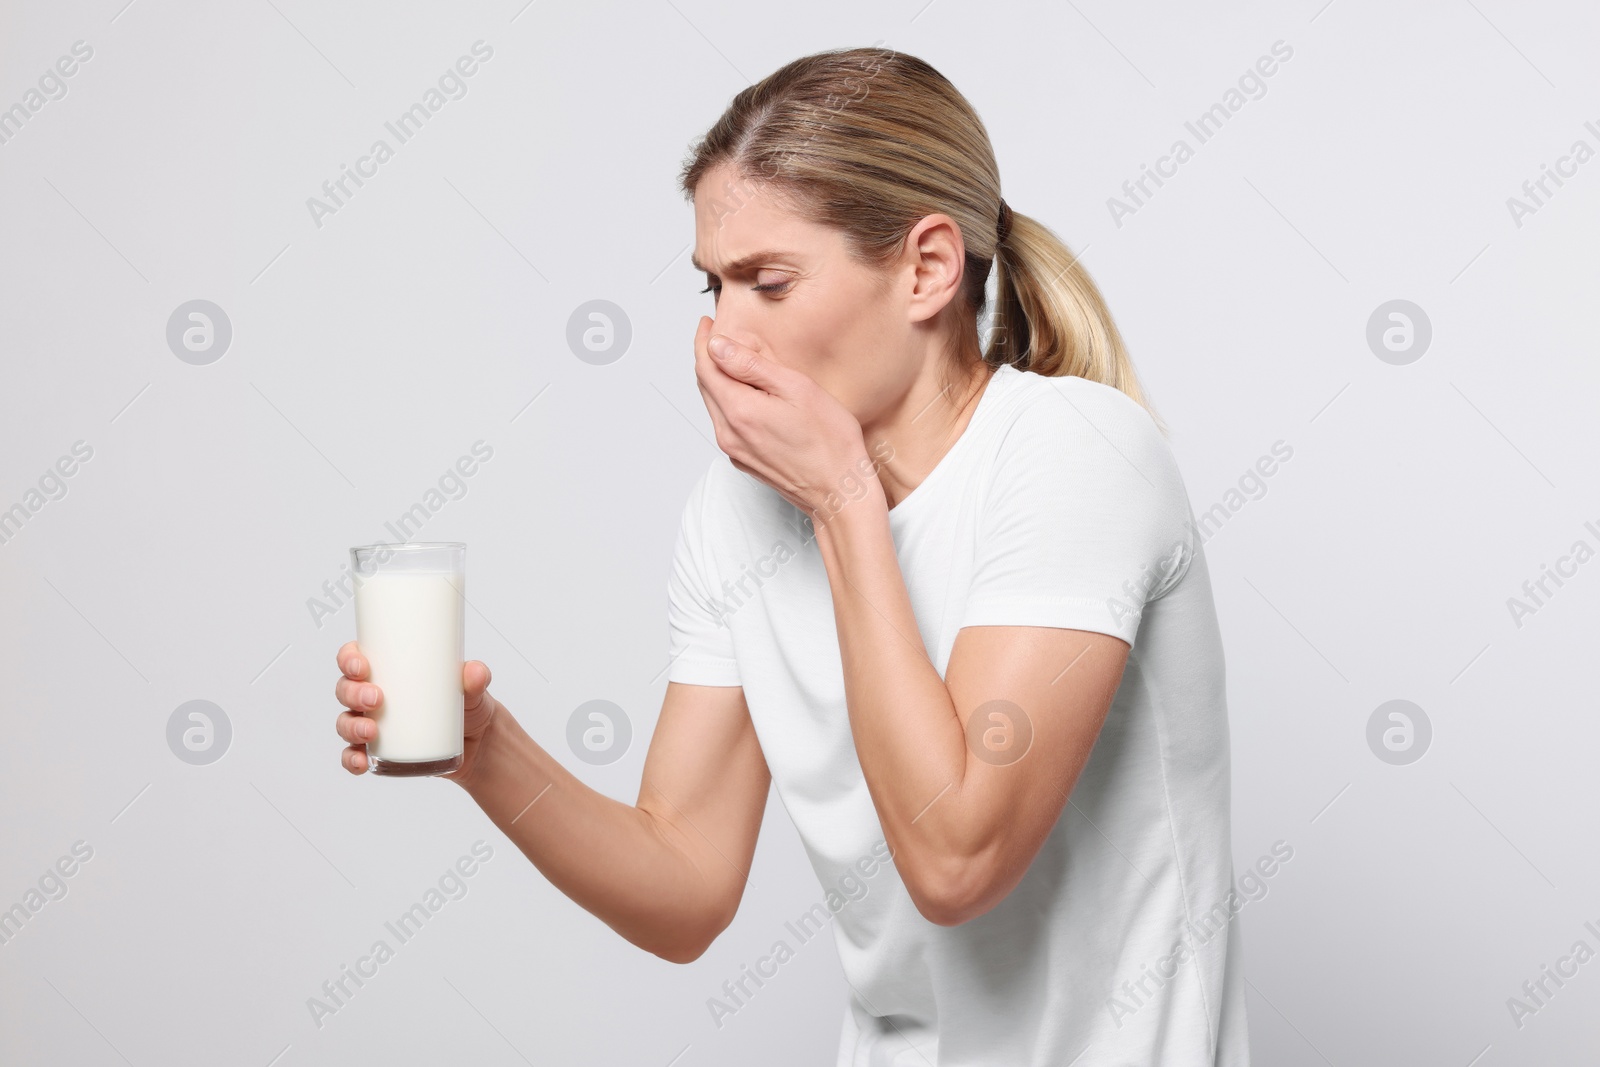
[870, 141]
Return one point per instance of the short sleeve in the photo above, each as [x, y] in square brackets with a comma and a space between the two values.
[1086, 519]
[699, 643]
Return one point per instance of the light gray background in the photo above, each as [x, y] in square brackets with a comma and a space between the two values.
[372, 351]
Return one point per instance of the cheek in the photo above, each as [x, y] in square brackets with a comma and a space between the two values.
[830, 358]
[809, 339]
[841, 327]
[831, 333]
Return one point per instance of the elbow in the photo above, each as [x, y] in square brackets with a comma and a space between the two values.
[948, 910]
[681, 948]
[940, 913]
[958, 893]
[688, 941]
[682, 953]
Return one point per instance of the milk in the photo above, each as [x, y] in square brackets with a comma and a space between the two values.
[409, 626]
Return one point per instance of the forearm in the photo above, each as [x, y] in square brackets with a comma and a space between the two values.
[615, 860]
[908, 735]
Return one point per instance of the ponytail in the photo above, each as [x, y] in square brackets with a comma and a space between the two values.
[1050, 318]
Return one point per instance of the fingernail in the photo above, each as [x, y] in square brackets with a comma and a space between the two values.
[366, 729]
[369, 694]
[720, 347]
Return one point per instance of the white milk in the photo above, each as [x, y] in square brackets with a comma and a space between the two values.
[409, 627]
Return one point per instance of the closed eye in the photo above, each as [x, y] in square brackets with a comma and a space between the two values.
[771, 287]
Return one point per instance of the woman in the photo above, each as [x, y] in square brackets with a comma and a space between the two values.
[949, 600]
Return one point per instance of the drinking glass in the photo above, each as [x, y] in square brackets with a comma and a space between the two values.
[411, 627]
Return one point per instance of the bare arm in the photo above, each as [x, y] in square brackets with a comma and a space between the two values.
[668, 872]
[965, 818]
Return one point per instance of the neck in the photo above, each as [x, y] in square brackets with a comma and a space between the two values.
[917, 433]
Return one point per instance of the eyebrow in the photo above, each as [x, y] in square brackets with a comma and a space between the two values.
[744, 262]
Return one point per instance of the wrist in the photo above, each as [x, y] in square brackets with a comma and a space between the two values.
[486, 751]
[863, 493]
[838, 517]
[855, 537]
[857, 482]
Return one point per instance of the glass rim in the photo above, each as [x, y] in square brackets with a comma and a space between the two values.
[408, 546]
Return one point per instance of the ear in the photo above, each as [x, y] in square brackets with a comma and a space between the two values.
[935, 258]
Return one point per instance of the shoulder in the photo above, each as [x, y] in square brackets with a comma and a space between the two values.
[723, 490]
[725, 504]
[1087, 424]
[718, 480]
[1091, 463]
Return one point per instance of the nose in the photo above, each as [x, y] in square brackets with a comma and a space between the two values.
[730, 322]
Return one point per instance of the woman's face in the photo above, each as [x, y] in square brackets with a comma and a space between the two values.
[863, 335]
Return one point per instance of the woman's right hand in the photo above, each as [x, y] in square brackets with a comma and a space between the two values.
[360, 697]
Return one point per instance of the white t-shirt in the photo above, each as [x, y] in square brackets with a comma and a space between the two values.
[1060, 504]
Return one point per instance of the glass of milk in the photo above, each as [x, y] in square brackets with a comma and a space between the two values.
[411, 627]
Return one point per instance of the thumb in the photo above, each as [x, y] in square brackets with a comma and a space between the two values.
[743, 363]
[475, 680]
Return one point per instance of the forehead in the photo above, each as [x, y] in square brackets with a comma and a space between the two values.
[746, 261]
[738, 222]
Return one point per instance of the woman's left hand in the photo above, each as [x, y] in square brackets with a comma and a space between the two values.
[777, 424]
